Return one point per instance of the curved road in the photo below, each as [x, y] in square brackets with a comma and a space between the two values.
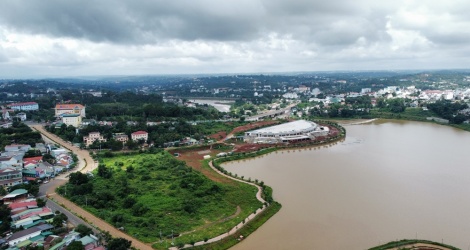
[85, 164]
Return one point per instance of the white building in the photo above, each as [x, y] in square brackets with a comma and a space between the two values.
[21, 116]
[24, 106]
[69, 109]
[28, 234]
[140, 135]
[72, 119]
[92, 137]
[290, 96]
[300, 130]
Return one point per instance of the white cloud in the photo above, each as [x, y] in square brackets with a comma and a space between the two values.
[159, 37]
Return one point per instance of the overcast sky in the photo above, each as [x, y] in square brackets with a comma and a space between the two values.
[42, 38]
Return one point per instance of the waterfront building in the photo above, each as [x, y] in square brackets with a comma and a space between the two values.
[295, 131]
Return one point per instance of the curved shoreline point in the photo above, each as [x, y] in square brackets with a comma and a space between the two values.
[240, 225]
[360, 122]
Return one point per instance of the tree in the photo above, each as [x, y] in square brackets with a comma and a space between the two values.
[119, 244]
[104, 172]
[4, 218]
[396, 105]
[78, 178]
[76, 245]
[40, 202]
[83, 230]
[59, 220]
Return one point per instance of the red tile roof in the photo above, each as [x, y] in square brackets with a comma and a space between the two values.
[22, 204]
[139, 133]
[22, 103]
[32, 160]
[69, 106]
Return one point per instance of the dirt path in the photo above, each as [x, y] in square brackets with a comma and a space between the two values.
[86, 163]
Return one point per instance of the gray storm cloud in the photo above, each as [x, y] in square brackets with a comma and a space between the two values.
[226, 36]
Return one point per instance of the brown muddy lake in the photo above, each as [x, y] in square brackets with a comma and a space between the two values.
[387, 180]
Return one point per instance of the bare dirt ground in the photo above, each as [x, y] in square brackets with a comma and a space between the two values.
[194, 157]
[219, 135]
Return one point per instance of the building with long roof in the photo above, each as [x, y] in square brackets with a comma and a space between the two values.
[27, 106]
[300, 130]
[62, 108]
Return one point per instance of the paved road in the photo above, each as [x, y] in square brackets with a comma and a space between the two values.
[86, 163]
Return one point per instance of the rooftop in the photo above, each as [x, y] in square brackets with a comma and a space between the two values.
[140, 133]
[286, 127]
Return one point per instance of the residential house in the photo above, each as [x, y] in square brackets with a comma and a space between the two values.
[140, 135]
[41, 147]
[92, 137]
[15, 196]
[121, 137]
[24, 106]
[86, 122]
[10, 177]
[6, 114]
[31, 162]
[21, 116]
[17, 147]
[14, 161]
[58, 151]
[28, 234]
[77, 109]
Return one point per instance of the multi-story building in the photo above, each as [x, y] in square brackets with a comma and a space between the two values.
[140, 135]
[26, 106]
[72, 119]
[69, 109]
[121, 137]
[10, 177]
[92, 137]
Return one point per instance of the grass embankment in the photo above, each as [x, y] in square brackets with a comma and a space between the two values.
[152, 194]
[404, 244]
[414, 114]
[246, 230]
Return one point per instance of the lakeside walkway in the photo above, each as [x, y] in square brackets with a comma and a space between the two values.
[345, 123]
[241, 224]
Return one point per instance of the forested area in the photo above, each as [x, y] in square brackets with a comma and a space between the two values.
[19, 133]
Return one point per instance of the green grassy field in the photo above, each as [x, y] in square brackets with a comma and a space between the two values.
[149, 194]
